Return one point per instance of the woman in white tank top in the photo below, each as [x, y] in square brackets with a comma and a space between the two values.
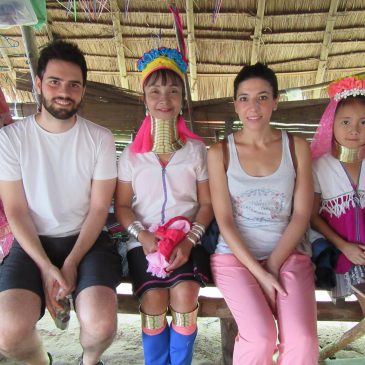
[262, 203]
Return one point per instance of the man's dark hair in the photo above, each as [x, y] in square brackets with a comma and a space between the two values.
[259, 71]
[63, 51]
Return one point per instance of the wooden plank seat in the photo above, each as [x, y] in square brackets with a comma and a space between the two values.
[346, 311]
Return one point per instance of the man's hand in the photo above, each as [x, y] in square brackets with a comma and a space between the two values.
[52, 282]
[180, 255]
[69, 272]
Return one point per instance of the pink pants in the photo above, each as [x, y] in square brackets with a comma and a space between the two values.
[296, 313]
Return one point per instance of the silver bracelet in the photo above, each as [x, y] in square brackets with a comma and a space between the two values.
[191, 239]
[197, 231]
[200, 227]
[135, 228]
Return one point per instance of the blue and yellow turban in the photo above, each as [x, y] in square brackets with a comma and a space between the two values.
[162, 58]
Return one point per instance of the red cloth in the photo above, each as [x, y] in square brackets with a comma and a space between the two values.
[5, 115]
[170, 234]
[6, 237]
[170, 237]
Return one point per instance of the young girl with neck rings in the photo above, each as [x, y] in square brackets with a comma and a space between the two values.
[163, 181]
[262, 204]
[339, 181]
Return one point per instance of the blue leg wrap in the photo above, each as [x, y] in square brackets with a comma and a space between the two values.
[181, 348]
[156, 348]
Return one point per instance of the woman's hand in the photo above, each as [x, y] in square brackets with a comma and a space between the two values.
[354, 252]
[272, 267]
[270, 286]
[180, 255]
[148, 241]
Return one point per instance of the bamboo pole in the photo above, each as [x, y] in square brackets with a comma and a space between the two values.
[118, 41]
[258, 32]
[32, 55]
[191, 49]
[326, 46]
[180, 42]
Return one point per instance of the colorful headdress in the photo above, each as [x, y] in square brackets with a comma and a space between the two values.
[337, 91]
[157, 59]
[162, 58]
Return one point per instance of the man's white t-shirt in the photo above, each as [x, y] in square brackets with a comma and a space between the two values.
[57, 170]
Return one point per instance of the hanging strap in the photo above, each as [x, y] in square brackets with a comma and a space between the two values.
[292, 151]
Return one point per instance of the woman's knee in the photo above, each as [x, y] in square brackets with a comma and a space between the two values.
[155, 301]
[184, 297]
[304, 340]
[256, 345]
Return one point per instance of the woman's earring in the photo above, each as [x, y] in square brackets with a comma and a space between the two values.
[147, 112]
[181, 112]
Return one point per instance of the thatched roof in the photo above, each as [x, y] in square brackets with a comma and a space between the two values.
[306, 42]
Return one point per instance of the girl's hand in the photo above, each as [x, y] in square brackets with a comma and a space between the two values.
[354, 252]
[180, 255]
[148, 241]
[271, 286]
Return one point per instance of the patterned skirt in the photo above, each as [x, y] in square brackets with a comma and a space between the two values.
[196, 269]
[344, 281]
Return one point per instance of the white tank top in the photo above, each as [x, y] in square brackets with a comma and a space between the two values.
[261, 205]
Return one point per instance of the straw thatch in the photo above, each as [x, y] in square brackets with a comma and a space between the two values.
[306, 42]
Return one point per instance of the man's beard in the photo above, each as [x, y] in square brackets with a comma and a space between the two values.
[61, 114]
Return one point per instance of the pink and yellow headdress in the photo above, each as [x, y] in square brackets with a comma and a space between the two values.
[157, 59]
[337, 91]
[162, 58]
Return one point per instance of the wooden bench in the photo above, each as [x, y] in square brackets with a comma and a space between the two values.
[326, 311]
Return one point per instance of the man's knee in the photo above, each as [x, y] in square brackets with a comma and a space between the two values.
[102, 329]
[19, 313]
[13, 332]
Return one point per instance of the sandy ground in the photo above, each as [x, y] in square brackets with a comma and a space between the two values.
[127, 348]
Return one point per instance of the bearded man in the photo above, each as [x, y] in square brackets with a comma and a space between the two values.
[57, 179]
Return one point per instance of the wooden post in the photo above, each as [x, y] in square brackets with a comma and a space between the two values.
[228, 127]
[228, 335]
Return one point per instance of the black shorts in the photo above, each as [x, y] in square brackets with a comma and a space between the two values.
[100, 266]
[196, 269]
